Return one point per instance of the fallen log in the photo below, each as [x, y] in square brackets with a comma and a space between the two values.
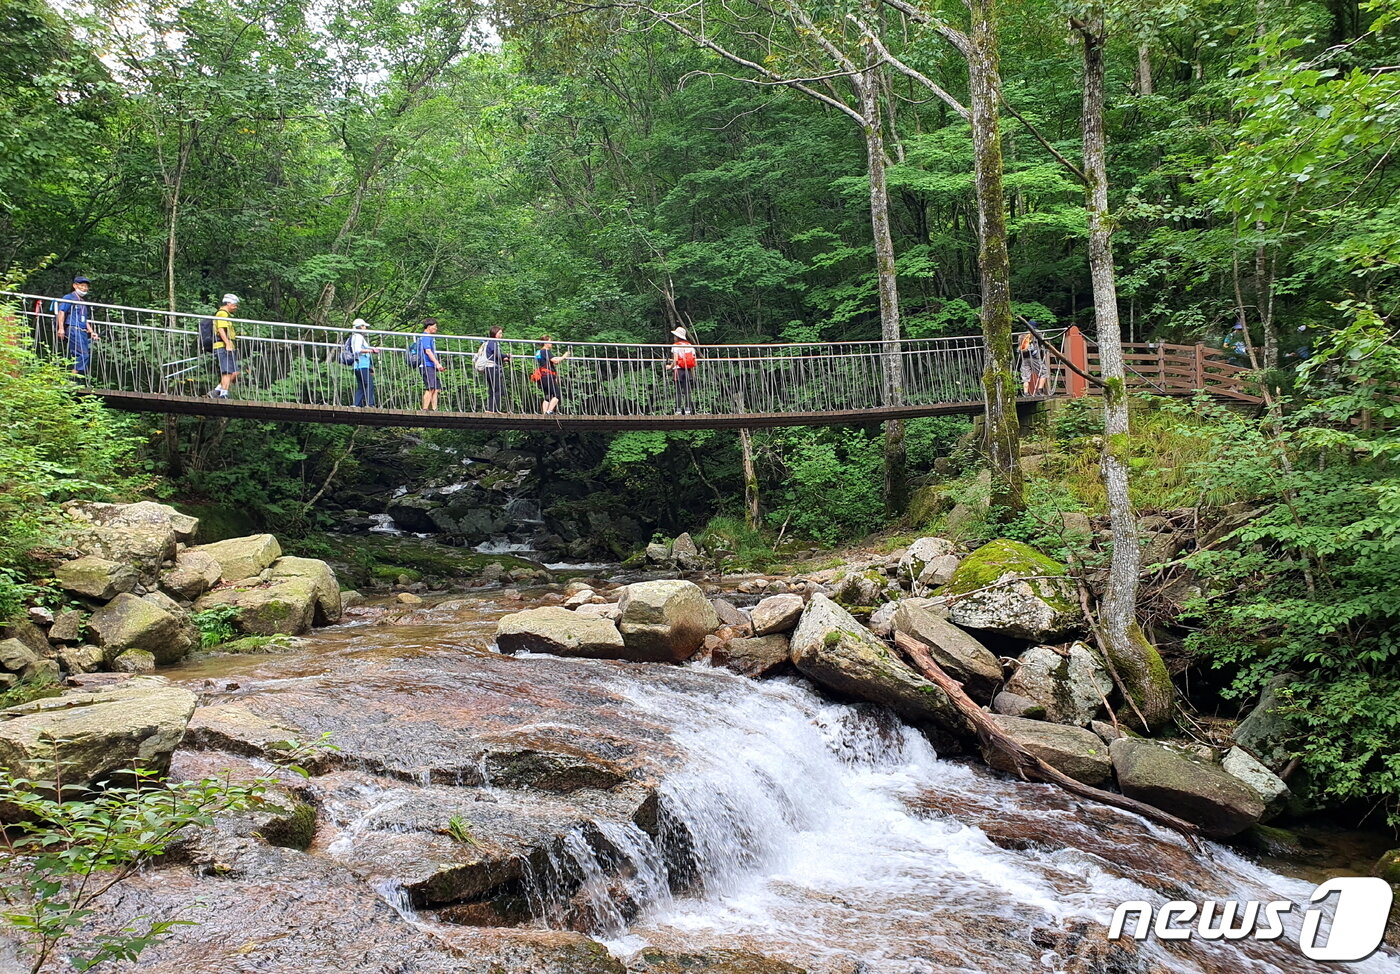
[1027, 766]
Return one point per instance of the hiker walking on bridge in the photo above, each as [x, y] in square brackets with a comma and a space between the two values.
[70, 318]
[494, 372]
[429, 365]
[546, 376]
[361, 349]
[225, 347]
[682, 369]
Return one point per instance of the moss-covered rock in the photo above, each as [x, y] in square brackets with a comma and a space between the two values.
[1185, 785]
[96, 578]
[241, 558]
[1388, 867]
[1010, 588]
[129, 622]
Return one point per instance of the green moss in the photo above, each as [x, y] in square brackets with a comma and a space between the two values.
[255, 644]
[1388, 867]
[295, 829]
[831, 639]
[391, 573]
[997, 558]
[1147, 681]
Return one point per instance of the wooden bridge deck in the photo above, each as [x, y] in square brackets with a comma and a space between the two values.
[293, 412]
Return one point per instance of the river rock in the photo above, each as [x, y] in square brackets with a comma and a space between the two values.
[26, 632]
[1076, 752]
[1186, 786]
[104, 731]
[1270, 787]
[19, 659]
[1266, 733]
[655, 961]
[1015, 705]
[581, 597]
[664, 621]
[866, 587]
[129, 622]
[831, 648]
[936, 574]
[658, 553]
[964, 658]
[134, 661]
[298, 593]
[686, 553]
[81, 659]
[1071, 686]
[241, 558]
[96, 578]
[1010, 588]
[757, 656]
[67, 626]
[195, 573]
[142, 514]
[920, 554]
[731, 615]
[554, 629]
[776, 613]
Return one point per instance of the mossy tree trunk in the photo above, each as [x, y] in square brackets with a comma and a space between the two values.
[999, 384]
[1136, 660]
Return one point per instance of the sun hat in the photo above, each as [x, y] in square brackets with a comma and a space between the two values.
[679, 332]
[230, 299]
[360, 323]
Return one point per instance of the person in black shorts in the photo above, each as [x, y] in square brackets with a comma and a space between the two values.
[546, 375]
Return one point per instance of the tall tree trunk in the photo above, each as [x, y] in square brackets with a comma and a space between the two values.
[867, 87]
[751, 509]
[1133, 657]
[1144, 70]
[999, 384]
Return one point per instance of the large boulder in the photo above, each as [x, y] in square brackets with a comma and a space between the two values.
[665, 620]
[1269, 786]
[556, 630]
[920, 553]
[298, 593]
[68, 626]
[195, 573]
[414, 513]
[101, 732]
[96, 578]
[866, 587]
[757, 657]
[129, 622]
[1076, 752]
[1266, 731]
[964, 658]
[1071, 686]
[777, 613]
[241, 558]
[19, 659]
[831, 648]
[1010, 588]
[1185, 785]
[686, 553]
[142, 515]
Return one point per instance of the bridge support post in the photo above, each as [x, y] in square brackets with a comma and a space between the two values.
[1077, 351]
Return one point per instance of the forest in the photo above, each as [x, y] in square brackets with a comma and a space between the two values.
[1220, 172]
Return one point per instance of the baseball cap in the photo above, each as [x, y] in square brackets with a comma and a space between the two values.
[230, 299]
[360, 323]
[81, 280]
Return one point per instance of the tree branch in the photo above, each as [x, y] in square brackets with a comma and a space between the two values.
[917, 75]
[1079, 173]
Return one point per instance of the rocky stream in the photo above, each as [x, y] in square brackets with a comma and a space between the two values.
[616, 816]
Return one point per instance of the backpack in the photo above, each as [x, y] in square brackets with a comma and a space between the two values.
[414, 354]
[685, 358]
[480, 361]
[206, 334]
[347, 356]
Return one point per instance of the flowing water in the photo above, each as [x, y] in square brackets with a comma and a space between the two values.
[822, 833]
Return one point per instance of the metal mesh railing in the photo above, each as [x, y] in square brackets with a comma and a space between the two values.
[146, 351]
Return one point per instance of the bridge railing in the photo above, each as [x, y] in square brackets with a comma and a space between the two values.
[148, 351]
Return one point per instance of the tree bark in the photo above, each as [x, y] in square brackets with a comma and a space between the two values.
[999, 384]
[1130, 652]
[1144, 70]
[751, 509]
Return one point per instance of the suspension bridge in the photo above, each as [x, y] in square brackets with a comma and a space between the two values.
[146, 360]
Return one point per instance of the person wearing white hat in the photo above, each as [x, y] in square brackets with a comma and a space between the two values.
[682, 368]
[225, 346]
[364, 371]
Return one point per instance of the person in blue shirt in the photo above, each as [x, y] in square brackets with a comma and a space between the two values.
[495, 371]
[364, 371]
[429, 365]
[70, 318]
[547, 377]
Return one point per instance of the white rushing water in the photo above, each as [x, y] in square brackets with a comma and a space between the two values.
[813, 841]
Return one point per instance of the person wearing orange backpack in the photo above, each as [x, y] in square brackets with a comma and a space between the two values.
[1034, 366]
[682, 367]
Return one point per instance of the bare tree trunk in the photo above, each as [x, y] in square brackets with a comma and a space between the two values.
[751, 509]
[1132, 655]
[999, 384]
[1144, 70]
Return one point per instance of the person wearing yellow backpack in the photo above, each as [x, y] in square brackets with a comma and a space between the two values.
[682, 369]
